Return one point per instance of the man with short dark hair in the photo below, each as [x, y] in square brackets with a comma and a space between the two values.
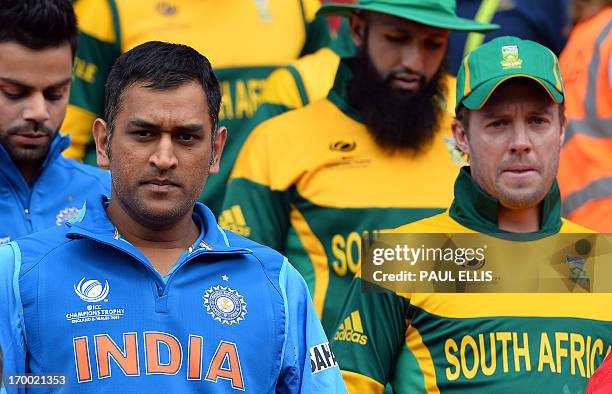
[144, 290]
[38, 187]
[521, 342]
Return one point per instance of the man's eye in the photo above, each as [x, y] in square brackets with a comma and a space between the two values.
[538, 121]
[14, 95]
[434, 45]
[186, 137]
[54, 96]
[498, 123]
[394, 38]
[142, 133]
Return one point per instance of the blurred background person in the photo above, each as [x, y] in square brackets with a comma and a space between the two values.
[585, 170]
[544, 21]
[38, 187]
[244, 39]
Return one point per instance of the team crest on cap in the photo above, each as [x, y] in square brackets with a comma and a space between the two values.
[66, 214]
[225, 305]
[510, 57]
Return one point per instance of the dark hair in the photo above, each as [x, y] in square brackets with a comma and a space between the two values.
[160, 66]
[38, 24]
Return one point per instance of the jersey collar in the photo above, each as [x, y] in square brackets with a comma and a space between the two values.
[93, 223]
[338, 95]
[476, 209]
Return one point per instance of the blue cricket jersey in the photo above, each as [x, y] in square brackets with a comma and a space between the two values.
[232, 316]
[56, 195]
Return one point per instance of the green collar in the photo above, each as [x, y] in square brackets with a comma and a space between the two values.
[338, 95]
[476, 209]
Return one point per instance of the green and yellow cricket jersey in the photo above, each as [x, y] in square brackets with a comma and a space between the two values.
[474, 343]
[310, 182]
[243, 39]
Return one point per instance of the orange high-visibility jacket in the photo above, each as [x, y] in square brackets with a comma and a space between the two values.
[585, 170]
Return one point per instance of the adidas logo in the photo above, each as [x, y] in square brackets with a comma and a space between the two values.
[351, 330]
[232, 219]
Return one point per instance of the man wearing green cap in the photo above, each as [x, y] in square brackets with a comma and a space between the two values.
[376, 151]
[510, 123]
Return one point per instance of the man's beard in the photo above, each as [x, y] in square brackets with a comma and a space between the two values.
[27, 155]
[397, 121]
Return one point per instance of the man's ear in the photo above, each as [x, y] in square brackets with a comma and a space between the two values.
[357, 25]
[461, 137]
[219, 144]
[101, 138]
[563, 130]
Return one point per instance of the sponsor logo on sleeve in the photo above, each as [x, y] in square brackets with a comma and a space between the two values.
[322, 358]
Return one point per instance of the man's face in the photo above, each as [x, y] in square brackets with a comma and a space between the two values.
[161, 151]
[34, 90]
[405, 54]
[398, 82]
[514, 142]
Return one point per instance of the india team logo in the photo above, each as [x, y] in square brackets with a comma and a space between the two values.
[66, 214]
[225, 305]
[91, 290]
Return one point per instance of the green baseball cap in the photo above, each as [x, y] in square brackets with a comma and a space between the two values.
[485, 68]
[438, 13]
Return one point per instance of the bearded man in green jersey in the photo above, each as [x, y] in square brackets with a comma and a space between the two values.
[510, 122]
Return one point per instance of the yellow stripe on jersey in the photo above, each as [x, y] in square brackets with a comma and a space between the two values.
[423, 356]
[317, 256]
[361, 384]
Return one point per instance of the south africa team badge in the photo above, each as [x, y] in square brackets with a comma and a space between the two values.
[225, 305]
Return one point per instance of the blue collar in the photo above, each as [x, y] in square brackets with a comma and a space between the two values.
[9, 170]
[93, 223]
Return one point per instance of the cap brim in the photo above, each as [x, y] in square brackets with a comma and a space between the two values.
[478, 97]
[415, 14]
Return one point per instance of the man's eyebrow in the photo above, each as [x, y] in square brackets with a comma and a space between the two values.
[143, 124]
[60, 84]
[190, 128]
[29, 87]
[187, 128]
[16, 82]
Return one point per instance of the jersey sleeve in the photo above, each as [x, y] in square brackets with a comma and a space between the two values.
[12, 341]
[99, 46]
[370, 337]
[308, 365]
[254, 206]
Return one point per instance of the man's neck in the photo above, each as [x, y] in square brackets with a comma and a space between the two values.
[519, 220]
[29, 171]
[161, 245]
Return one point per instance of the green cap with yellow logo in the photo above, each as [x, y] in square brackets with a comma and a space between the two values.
[485, 68]
[438, 13]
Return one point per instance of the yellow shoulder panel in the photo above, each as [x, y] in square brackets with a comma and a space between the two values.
[318, 72]
[281, 89]
[310, 9]
[441, 223]
[95, 19]
[571, 227]
[77, 124]
[361, 384]
[266, 149]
